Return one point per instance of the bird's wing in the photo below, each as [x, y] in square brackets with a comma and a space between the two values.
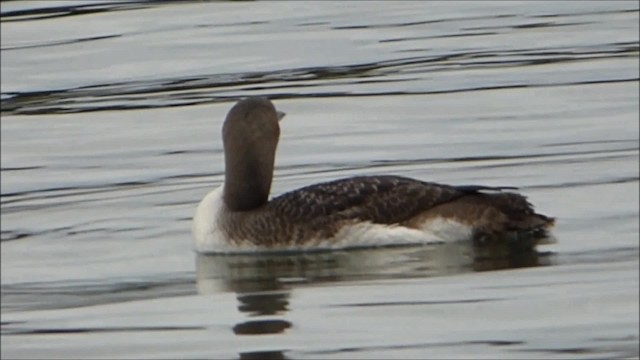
[378, 199]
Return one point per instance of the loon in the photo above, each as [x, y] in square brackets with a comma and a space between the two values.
[358, 211]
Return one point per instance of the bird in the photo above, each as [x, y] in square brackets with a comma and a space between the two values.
[359, 211]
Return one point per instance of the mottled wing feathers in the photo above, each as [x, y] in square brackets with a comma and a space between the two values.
[379, 199]
[319, 211]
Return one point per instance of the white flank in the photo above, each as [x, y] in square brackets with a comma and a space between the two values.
[207, 235]
[447, 229]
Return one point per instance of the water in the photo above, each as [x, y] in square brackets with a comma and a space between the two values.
[111, 115]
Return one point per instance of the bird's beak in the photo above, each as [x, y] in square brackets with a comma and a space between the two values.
[281, 114]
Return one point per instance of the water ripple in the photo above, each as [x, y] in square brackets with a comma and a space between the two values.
[194, 90]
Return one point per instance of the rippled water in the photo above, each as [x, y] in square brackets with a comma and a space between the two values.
[111, 113]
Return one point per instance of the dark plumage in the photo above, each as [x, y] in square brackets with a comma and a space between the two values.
[318, 212]
[379, 199]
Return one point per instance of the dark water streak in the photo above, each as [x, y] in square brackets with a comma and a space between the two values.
[207, 89]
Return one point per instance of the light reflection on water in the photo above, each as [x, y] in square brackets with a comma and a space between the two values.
[110, 136]
[252, 273]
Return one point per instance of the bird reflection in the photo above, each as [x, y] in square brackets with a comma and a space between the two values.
[262, 272]
[263, 282]
[262, 355]
[261, 304]
[260, 327]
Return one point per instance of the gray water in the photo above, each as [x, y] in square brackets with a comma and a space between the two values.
[111, 116]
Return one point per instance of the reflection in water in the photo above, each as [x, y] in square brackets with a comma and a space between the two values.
[259, 327]
[270, 274]
[258, 297]
[263, 303]
[263, 282]
[262, 355]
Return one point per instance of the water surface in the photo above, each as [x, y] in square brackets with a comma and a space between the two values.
[111, 116]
